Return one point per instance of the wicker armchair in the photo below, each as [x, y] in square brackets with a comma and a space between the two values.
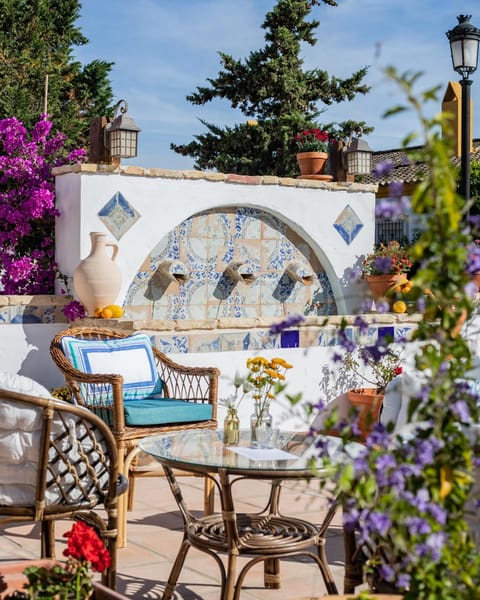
[104, 395]
[57, 461]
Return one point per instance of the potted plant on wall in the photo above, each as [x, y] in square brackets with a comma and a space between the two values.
[383, 267]
[373, 366]
[312, 152]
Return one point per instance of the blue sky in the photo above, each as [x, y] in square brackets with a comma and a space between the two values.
[164, 49]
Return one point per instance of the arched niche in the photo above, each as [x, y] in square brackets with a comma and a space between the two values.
[260, 246]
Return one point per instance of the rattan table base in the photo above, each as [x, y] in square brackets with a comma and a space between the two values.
[267, 536]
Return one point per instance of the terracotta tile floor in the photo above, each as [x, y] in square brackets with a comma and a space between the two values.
[155, 533]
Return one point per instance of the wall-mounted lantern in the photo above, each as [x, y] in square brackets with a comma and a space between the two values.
[121, 136]
[111, 140]
[357, 154]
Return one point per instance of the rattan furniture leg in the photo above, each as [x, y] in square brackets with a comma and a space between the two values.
[267, 536]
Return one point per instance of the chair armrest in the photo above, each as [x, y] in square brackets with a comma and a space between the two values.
[196, 384]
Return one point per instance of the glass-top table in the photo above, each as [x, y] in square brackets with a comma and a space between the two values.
[266, 536]
[204, 451]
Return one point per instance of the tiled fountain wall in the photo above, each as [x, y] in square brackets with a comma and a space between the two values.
[235, 240]
[204, 223]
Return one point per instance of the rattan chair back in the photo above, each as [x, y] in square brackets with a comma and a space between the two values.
[105, 398]
[65, 465]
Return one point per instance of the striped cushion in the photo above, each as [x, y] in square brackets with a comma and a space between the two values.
[131, 357]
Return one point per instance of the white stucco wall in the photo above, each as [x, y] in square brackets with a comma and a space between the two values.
[309, 207]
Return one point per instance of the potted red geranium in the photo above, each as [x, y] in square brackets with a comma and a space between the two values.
[72, 579]
[312, 156]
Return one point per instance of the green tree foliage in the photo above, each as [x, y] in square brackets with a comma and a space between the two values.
[475, 186]
[276, 95]
[36, 39]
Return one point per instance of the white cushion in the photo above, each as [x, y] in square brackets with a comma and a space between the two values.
[131, 357]
[22, 384]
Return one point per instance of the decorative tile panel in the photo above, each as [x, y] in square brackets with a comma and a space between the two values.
[348, 224]
[118, 215]
[207, 243]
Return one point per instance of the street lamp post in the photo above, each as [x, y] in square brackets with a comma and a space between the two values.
[464, 39]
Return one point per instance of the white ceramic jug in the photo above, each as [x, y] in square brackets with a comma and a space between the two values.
[97, 279]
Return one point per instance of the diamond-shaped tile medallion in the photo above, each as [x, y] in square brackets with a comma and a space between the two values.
[118, 215]
[348, 224]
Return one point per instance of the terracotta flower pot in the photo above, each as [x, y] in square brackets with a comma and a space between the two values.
[312, 163]
[380, 285]
[369, 402]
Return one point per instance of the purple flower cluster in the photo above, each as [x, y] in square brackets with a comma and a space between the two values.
[27, 204]
[290, 321]
[74, 310]
[473, 259]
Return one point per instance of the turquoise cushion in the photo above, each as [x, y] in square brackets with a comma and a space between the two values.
[165, 411]
[132, 357]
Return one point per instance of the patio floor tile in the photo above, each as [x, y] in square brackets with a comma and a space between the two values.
[155, 532]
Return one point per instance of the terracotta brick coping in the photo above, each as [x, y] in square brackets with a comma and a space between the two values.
[232, 178]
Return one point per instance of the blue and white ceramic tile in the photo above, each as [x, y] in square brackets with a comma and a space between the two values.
[234, 341]
[327, 337]
[171, 344]
[205, 343]
[403, 333]
[118, 215]
[263, 340]
[348, 224]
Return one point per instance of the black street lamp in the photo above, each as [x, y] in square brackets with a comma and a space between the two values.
[464, 39]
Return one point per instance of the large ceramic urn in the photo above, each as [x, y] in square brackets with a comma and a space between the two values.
[97, 278]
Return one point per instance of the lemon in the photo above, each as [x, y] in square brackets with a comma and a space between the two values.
[98, 312]
[107, 313]
[399, 306]
[117, 311]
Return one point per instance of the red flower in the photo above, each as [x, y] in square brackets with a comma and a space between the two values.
[85, 545]
[398, 370]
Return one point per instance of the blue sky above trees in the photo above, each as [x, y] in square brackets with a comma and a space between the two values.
[164, 49]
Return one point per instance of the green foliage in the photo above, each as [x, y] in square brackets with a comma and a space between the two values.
[410, 492]
[271, 87]
[36, 40]
[475, 186]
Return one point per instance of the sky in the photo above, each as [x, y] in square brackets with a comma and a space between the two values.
[164, 49]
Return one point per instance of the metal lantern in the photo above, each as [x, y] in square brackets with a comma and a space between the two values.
[121, 136]
[358, 155]
[464, 40]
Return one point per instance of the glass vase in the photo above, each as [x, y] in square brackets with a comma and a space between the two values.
[231, 427]
[261, 427]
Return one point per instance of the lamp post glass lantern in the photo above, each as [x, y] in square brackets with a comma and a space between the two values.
[121, 136]
[464, 39]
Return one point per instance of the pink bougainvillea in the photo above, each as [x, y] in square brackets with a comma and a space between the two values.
[27, 204]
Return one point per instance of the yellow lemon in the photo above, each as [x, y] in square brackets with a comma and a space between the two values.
[107, 313]
[117, 311]
[399, 306]
[98, 312]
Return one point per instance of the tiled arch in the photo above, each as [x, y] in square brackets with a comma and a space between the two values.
[206, 243]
